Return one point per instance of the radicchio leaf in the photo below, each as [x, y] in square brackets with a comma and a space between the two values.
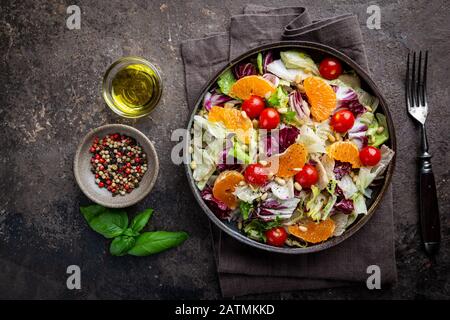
[272, 208]
[268, 58]
[227, 161]
[272, 78]
[287, 137]
[339, 192]
[219, 208]
[344, 206]
[244, 69]
[358, 134]
[272, 145]
[348, 99]
[264, 206]
[277, 141]
[214, 99]
[341, 169]
[296, 103]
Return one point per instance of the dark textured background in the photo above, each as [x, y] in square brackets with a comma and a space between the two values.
[50, 98]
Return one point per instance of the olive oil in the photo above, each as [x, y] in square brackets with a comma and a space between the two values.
[132, 87]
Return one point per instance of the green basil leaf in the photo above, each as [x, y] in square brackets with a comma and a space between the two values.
[153, 242]
[90, 212]
[129, 232]
[110, 223]
[139, 222]
[121, 244]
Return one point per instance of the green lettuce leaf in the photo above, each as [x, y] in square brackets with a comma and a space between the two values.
[278, 99]
[327, 209]
[348, 186]
[359, 203]
[226, 80]
[259, 63]
[378, 138]
[245, 208]
[366, 175]
[247, 194]
[315, 203]
[256, 228]
[289, 117]
[331, 187]
[298, 60]
[239, 152]
[312, 142]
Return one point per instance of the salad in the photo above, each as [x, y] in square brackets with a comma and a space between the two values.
[288, 148]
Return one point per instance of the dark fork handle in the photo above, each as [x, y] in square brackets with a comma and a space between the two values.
[429, 210]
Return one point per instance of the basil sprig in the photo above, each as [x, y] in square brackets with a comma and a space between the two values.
[128, 239]
[153, 242]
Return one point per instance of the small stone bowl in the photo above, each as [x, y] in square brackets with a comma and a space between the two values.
[86, 180]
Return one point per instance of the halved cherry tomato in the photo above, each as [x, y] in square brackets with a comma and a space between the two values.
[255, 174]
[342, 121]
[253, 106]
[370, 156]
[307, 176]
[276, 236]
[330, 68]
[269, 119]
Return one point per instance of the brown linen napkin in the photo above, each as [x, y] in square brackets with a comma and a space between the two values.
[245, 270]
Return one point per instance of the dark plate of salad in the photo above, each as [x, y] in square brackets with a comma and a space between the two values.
[291, 147]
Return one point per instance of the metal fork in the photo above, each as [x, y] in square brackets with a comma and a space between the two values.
[416, 102]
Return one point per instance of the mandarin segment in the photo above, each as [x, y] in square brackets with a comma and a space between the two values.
[313, 232]
[225, 185]
[321, 96]
[253, 85]
[345, 151]
[234, 120]
[291, 161]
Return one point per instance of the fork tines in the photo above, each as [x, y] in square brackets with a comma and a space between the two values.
[416, 78]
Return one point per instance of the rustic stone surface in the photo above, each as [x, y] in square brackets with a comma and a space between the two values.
[50, 97]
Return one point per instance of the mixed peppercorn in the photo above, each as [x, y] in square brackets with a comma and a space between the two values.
[118, 163]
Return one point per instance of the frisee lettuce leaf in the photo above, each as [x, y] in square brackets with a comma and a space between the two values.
[256, 228]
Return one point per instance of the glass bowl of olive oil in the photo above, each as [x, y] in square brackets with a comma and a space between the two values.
[132, 87]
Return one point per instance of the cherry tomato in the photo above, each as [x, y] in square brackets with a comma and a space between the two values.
[370, 156]
[253, 106]
[255, 174]
[330, 68]
[276, 236]
[307, 176]
[269, 119]
[342, 121]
